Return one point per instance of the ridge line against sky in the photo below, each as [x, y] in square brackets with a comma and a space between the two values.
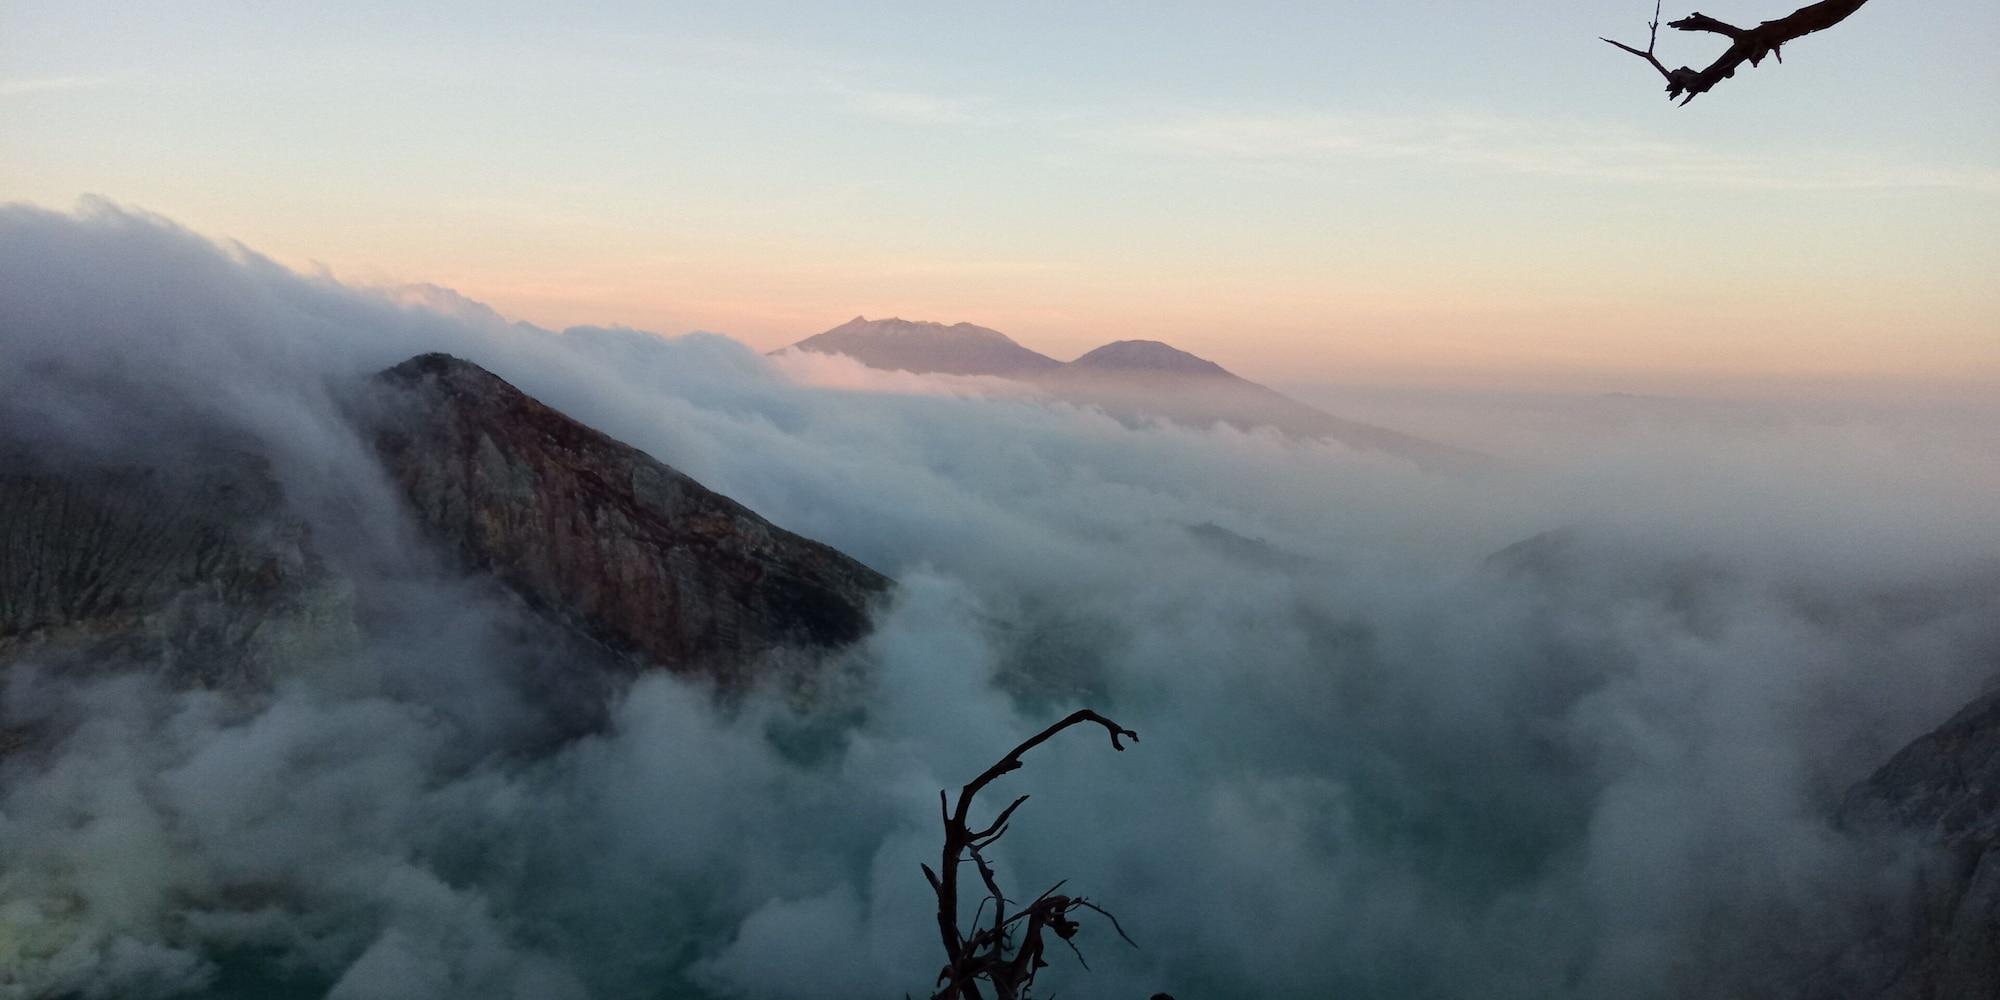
[1333, 193]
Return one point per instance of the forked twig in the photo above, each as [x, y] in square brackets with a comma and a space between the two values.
[1749, 45]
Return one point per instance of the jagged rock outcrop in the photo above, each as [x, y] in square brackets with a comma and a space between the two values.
[1943, 791]
[603, 537]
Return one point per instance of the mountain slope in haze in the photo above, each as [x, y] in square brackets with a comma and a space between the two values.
[602, 536]
[193, 566]
[1135, 357]
[923, 347]
[1132, 380]
[1135, 379]
[197, 566]
[1924, 931]
[1943, 790]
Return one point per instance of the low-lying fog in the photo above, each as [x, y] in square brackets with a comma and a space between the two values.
[1376, 760]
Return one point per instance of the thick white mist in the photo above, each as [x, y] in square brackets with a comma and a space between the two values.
[1374, 762]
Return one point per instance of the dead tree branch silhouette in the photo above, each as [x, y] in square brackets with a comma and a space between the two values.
[1006, 951]
[1749, 45]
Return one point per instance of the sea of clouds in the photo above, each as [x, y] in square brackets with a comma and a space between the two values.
[1377, 760]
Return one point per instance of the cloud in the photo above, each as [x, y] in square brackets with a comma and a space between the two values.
[1600, 766]
[51, 84]
[907, 107]
[854, 87]
[838, 371]
[1583, 150]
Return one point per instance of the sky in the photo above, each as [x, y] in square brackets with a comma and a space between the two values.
[1427, 193]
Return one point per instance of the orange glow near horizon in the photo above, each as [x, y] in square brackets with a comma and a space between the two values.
[1268, 331]
[1420, 230]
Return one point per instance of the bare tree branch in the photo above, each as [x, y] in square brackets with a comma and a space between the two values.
[1749, 45]
[990, 954]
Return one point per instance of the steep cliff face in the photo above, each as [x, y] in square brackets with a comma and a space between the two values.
[199, 567]
[1943, 790]
[602, 537]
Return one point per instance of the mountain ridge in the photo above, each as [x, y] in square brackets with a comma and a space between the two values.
[1132, 380]
[202, 563]
[928, 347]
[1148, 356]
[609, 540]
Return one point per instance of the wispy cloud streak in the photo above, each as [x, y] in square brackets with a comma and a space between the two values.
[50, 84]
[905, 107]
[1572, 150]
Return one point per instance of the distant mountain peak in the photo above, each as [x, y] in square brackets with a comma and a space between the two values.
[1129, 379]
[897, 326]
[923, 346]
[1149, 356]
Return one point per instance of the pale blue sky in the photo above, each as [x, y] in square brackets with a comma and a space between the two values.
[1422, 190]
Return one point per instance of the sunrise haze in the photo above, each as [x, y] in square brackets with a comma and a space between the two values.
[1454, 193]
